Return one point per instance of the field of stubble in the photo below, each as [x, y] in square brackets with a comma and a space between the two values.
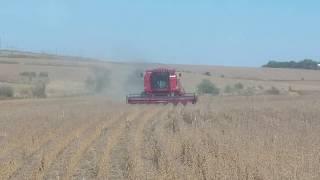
[257, 138]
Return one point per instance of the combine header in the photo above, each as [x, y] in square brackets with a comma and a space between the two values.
[162, 86]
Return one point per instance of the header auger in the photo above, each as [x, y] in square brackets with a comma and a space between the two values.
[162, 86]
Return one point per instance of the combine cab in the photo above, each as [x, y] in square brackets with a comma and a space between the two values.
[162, 86]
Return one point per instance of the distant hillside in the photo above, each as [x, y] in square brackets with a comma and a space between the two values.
[35, 55]
[304, 64]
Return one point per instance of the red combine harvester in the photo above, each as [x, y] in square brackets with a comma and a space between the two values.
[162, 86]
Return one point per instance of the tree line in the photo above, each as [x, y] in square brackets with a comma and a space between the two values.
[304, 64]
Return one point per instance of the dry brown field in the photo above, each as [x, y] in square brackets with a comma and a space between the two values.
[84, 136]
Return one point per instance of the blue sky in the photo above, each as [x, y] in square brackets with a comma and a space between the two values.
[218, 32]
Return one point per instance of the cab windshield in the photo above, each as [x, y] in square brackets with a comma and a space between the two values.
[160, 80]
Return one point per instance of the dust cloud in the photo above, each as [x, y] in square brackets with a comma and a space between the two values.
[124, 79]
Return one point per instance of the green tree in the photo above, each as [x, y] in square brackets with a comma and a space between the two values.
[304, 64]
